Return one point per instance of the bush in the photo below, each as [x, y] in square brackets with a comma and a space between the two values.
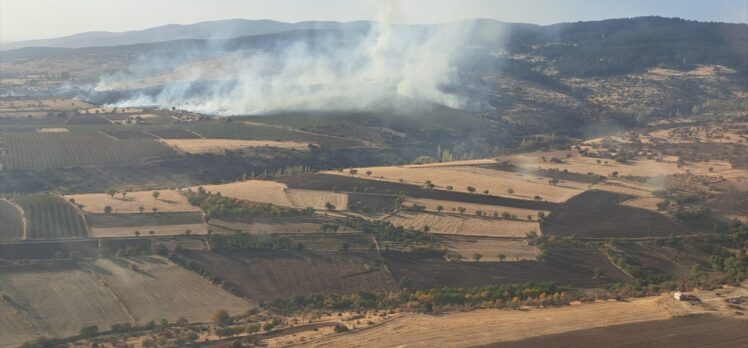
[340, 328]
[88, 331]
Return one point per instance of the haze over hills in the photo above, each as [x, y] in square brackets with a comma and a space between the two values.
[219, 29]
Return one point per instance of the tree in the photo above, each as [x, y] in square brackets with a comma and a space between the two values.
[137, 233]
[405, 282]
[107, 209]
[450, 188]
[461, 210]
[329, 206]
[151, 232]
[368, 172]
[477, 257]
[141, 208]
[155, 210]
[155, 194]
[501, 257]
[222, 317]
[426, 228]
[439, 208]
[111, 192]
[88, 331]
[506, 215]
[510, 191]
[485, 192]
[471, 189]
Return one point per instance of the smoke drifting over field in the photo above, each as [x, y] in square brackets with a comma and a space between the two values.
[351, 70]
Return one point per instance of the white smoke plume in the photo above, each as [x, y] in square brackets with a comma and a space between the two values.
[388, 62]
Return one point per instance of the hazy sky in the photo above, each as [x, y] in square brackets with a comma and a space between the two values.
[35, 19]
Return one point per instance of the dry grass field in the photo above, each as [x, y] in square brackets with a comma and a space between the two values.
[431, 205]
[145, 230]
[481, 327]
[278, 194]
[105, 292]
[68, 300]
[490, 248]
[464, 225]
[220, 146]
[161, 289]
[13, 330]
[498, 183]
[168, 201]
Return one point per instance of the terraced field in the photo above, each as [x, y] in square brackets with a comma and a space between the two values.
[106, 292]
[11, 226]
[126, 225]
[30, 150]
[50, 217]
[463, 224]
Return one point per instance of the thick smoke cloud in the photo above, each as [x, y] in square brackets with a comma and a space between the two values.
[341, 71]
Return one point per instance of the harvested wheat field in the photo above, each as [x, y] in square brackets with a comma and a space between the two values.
[159, 289]
[498, 183]
[464, 225]
[14, 329]
[279, 194]
[69, 299]
[169, 201]
[220, 146]
[481, 327]
[432, 205]
[490, 248]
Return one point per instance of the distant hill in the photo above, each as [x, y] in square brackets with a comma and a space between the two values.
[221, 29]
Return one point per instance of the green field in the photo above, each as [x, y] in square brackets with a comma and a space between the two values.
[11, 222]
[50, 217]
[145, 219]
[30, 150]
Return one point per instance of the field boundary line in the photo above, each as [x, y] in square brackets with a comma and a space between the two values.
[18, 313]
[607, 256]
[24, 223]
[116, 297]
[79, 213]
